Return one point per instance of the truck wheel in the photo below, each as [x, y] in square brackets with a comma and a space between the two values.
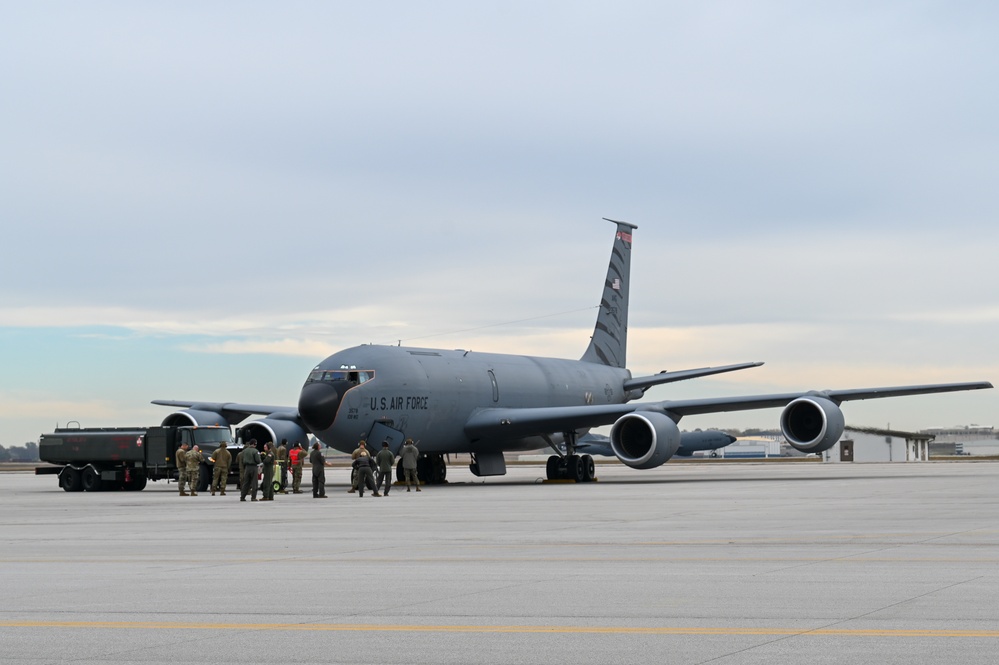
[92, 479]
[69, 480]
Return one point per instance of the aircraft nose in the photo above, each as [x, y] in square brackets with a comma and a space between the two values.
[317, 405]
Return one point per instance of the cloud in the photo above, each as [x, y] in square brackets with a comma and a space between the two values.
[282, 347]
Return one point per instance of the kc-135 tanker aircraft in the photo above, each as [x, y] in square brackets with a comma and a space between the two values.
[486, 404]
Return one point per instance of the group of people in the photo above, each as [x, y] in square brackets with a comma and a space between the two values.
[365, 466]
[257, 469]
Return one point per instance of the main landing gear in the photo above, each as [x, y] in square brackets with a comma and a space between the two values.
[579, 468]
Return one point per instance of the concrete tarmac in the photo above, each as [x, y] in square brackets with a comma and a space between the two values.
[693, 563]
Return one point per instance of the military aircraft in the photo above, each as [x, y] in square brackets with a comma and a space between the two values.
[486, 404]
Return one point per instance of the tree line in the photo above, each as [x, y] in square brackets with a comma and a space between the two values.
[26, 453]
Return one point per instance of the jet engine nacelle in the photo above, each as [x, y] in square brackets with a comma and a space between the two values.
[274, 429]
[812, 424]
[194, 417]
[644, 439]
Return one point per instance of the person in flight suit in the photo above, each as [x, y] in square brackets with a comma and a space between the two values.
[297, 458]
[267, 459]
[360, 451]
[281, 457]
[250, 458]
[319, 465]
[410, 454]
[221, 461]
[180, 458]
[194, 459]
[365, 475]
[385, 460]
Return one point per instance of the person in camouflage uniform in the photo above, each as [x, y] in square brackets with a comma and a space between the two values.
[180, 458]
[194, 460]
[222, 460]
[297, 458]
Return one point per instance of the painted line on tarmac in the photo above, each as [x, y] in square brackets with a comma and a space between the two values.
[596, 630]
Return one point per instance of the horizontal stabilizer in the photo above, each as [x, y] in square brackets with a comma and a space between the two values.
[643, 383]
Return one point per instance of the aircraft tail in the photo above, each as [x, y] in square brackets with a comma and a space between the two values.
[609, 343]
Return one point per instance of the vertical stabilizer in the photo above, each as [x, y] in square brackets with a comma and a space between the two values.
[609, 344]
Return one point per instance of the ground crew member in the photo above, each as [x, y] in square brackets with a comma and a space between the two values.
[360, 451]
[249, 459]
[319, 465]
[221, 461]
[410, 454]
[267, 459]
[297, 457]
[385, 460]
[365, 476]
[281, 457]
[194, 460]
[180, 458]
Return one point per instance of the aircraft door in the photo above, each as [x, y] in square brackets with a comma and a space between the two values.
[380, 432]
[846, 451]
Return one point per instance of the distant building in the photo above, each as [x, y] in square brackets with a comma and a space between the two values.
[869, 444]
[966, 434]
[749, 446]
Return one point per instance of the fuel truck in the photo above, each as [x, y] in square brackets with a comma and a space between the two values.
[125, 458]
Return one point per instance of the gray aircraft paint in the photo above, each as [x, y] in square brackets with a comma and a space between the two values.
[486, 403]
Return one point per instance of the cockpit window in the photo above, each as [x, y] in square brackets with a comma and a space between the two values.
[330, 375]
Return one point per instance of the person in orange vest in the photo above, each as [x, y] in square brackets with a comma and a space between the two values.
[297, 457]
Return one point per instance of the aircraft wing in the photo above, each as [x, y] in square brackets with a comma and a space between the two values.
[232, 411]
[507, 423]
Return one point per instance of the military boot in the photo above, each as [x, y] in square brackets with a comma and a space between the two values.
[183, 493]
[193, 493]
[222, 493]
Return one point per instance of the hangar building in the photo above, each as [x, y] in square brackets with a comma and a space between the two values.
[869, 444]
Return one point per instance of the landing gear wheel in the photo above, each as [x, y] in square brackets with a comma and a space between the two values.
[276, 485]
[589, 468]
[400, 475]
[552, 469]
[424, 469]
[439, 473]
[70, 480]
[574, 468]
[92, 480]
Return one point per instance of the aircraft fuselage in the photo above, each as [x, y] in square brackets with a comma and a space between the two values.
[428, 394]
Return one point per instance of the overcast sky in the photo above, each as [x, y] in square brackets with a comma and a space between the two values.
[203, 200]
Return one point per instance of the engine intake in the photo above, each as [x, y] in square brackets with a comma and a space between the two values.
[194, 417]
[644, 440]
[812, 424]
[272, 430]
